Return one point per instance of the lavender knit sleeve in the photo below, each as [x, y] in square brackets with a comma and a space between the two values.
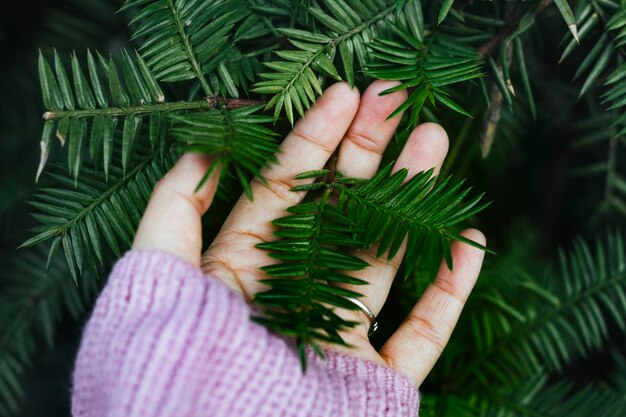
[166, 340]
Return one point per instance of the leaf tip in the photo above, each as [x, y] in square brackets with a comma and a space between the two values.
[572, 28]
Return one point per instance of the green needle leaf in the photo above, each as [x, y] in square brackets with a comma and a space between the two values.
[568, 16]
[443, 12]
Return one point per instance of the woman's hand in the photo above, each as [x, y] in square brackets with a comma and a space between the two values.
[358, 127]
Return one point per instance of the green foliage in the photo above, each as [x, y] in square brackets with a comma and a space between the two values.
[392, 208]
[385, 211]
[236, 137]
[424, 68]
[346, 27]
[89, 110]
[555, 321]
[301, 299]
[536, 396]
[84, 217]
[568, 16]
[607, 52]
[191, 39]
[31, 304]
[521, 332]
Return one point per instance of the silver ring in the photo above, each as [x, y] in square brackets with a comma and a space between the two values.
[369, 313]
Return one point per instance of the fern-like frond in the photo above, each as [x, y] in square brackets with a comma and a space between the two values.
[607, 52]
[607, 47]
[424, 68]
[557, 319]
[184, 40]
[237, 138]
[615, 96]
[85, 113]
[354, 214]
[538, 396]
[600, 129]
[83, 217]
[344, 28]
[31, 305]
[294, 84]
[390, 209]
[299, 303]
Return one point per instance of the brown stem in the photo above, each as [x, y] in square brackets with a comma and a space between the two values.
[210, 102]
[488, 46]
[231, 103]
[491, 120]
[332, 166]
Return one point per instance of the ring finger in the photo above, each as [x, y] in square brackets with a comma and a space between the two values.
[426, 148]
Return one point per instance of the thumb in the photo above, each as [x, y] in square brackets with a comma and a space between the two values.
[172, 220]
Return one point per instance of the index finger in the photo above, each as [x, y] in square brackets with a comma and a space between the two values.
[306, 148]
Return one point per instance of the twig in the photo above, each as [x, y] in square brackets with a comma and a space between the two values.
[231, 103]
[488, 46]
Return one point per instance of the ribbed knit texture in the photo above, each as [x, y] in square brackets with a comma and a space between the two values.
[167, 340]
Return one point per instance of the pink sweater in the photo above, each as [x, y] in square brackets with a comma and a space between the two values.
[166, 340]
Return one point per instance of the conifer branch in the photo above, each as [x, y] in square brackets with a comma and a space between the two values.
[181, 28]
[210, 102]
[31, 305]
[557, 321]
[86, 217]
[383, 211]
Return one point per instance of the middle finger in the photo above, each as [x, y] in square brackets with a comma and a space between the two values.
[425, 148]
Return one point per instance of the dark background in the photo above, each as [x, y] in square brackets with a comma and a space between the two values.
[527, 175]
[25, 27]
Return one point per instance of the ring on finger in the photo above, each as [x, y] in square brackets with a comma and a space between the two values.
[366, 310]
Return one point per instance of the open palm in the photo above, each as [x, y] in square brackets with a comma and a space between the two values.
[358, 127]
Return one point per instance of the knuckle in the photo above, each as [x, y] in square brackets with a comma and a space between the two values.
[299, 134]
[450, 290]
[248, 235]
[280, 187]
[422, 327]
[165, 192]
[365, 142]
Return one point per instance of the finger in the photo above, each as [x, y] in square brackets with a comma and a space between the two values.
[425, 148]
[308, 147]
[417, 344]
[369, 134]
[171, 222]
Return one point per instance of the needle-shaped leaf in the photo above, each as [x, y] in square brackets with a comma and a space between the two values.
[445, 9]
[521, 65]
[568, 16]
[129, 134]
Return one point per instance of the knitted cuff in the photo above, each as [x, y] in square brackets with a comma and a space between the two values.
[387, 392]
